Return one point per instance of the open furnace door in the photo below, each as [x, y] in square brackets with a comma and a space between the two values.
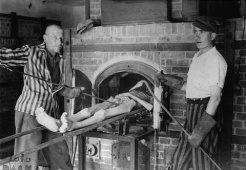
[83, 101]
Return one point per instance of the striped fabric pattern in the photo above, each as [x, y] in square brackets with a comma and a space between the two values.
[35, 92]
[185, 156]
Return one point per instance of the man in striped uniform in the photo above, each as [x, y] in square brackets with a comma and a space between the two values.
[205, 81]
[45, 62]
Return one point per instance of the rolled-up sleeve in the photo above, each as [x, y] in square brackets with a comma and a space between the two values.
[15, 57]
[216, 71]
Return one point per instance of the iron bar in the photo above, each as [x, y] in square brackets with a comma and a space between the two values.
[61, 85]
[12, 137]
[67, 135]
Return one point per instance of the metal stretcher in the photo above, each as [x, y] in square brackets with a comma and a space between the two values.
[82, 132]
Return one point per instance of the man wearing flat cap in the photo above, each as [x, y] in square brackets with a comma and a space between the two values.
[205, 81]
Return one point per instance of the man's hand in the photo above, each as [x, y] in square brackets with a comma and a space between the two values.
[172, 81]
[75, 92]
[71, 93]
[201, 129]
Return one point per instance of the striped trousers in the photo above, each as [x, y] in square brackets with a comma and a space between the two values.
[185, 156]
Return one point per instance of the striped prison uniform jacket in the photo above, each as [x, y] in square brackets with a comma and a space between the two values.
[35, 92]
[185, 156]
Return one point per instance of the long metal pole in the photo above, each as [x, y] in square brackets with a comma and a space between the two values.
[147, 85]
[86, 94]
[12, 137]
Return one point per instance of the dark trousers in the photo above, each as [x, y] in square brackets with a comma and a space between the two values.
[55, 156]
[185, 156]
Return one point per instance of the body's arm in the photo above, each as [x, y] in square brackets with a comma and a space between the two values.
[16, 57]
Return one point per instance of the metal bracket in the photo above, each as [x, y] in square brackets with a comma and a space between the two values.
[93, 149]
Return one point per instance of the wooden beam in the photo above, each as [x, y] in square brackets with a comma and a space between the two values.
[68, 103]
[87, 9]
[138, 47]
[135, 47]
[66, 2]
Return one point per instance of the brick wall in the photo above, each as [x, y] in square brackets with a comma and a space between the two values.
[5, 26]
[239, 104]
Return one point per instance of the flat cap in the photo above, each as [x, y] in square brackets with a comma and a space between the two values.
[87, 24]
[206, 24]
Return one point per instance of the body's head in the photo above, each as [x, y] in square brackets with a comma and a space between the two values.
[204, 33]
[53, 39]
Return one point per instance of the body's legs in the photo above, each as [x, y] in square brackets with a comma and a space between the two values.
[122, 108]
[86, 116]
[81, 115]
[104, 114]
[76, 121]
[101, 106]
[97, 117]
[88, 112]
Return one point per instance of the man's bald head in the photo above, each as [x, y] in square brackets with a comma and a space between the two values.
[53, 39]
[51, 28]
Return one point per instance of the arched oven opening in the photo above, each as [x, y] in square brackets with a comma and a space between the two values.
[120, 83]
[121, 77]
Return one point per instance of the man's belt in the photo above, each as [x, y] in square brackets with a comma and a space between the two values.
[197, 100]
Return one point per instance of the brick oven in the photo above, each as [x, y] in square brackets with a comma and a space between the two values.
[133, 52]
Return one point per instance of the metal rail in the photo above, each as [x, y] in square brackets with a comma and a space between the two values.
[69, 134]
[12, 137]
